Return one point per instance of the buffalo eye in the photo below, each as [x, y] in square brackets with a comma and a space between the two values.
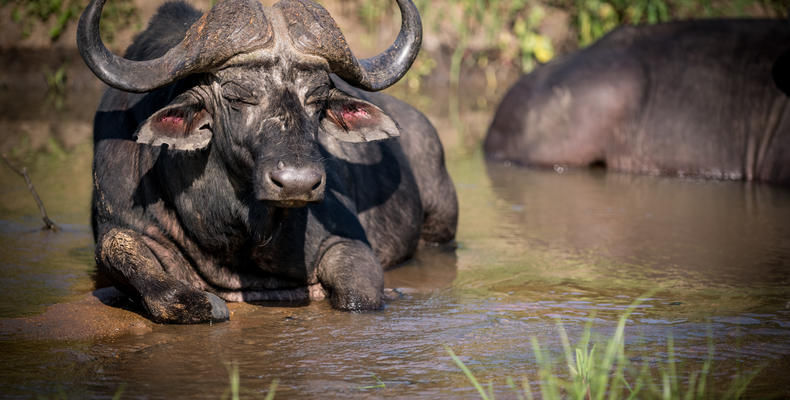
[237, 95]
[317, 96]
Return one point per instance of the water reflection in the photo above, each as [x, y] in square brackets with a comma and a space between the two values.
[433, 268]
[695, 234]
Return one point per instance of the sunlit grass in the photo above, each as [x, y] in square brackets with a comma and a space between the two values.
[233, 392]
[597, 371]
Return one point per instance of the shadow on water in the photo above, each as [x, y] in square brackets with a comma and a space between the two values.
[534, 246]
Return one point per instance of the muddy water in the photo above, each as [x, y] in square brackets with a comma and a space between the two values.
[534, 247]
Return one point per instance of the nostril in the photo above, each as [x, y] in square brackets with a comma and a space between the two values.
[317, 184]
[275, 181]
[296, 181]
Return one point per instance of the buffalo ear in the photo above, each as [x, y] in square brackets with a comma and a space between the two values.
[181, 126]
[354, 120]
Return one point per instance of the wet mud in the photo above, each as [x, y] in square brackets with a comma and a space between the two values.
[101, 314]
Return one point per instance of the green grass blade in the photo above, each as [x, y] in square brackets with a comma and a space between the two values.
[512, 385]
[233, 371]
[272, 390]
[468, 373]
[673, 371]
[666, 389]
[566, 348]
[119, 392]
[379, 383]
[703, 379]
[527, 388]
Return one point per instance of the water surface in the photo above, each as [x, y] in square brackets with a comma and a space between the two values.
[534, 247]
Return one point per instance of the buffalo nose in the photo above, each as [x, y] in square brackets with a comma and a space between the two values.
[286, 185]
[296, 181]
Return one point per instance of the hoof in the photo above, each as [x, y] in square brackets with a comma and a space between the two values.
[316, 292]
[357, 302]
[219, 310]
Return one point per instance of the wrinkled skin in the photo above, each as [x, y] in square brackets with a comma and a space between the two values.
[696, 98]
[255, 183]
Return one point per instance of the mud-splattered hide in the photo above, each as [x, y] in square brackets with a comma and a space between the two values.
[265, 95]
[229, 163]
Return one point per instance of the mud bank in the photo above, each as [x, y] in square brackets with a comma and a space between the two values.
[102, 314]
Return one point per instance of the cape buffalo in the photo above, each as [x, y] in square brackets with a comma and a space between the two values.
[230, 163]
[694, 98]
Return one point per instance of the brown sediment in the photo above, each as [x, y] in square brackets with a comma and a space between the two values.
[102, 314]
[95, 316]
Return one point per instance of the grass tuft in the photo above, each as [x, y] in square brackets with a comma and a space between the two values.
[468, 373]
[609, 374]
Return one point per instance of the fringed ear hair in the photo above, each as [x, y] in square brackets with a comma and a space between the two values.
[182, 126]
[354, 120]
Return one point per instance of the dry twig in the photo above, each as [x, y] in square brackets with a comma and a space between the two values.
[48, 223]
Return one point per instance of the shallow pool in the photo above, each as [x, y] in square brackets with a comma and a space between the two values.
[534, 247]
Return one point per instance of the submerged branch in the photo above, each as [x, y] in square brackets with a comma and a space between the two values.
[48, 223]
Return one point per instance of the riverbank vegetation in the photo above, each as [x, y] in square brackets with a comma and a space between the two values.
[522, 33]
[472, 49]
[57, 15]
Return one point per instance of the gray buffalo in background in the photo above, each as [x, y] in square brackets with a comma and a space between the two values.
[231, 164]
[704, 98]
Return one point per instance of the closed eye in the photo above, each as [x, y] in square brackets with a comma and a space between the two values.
[238, 101]
[317, 96]
[238, 95]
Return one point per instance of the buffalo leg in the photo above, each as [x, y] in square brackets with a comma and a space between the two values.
[349, 271]
[441, 210]
[130, 264]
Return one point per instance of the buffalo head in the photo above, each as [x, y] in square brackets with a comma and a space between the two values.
[262, 93]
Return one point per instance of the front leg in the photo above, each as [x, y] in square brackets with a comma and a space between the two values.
[353, 277]
[122, 255]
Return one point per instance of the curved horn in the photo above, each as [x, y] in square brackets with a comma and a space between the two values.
[230, 28]
[313, 31]
[118, 72]
[385, 69]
